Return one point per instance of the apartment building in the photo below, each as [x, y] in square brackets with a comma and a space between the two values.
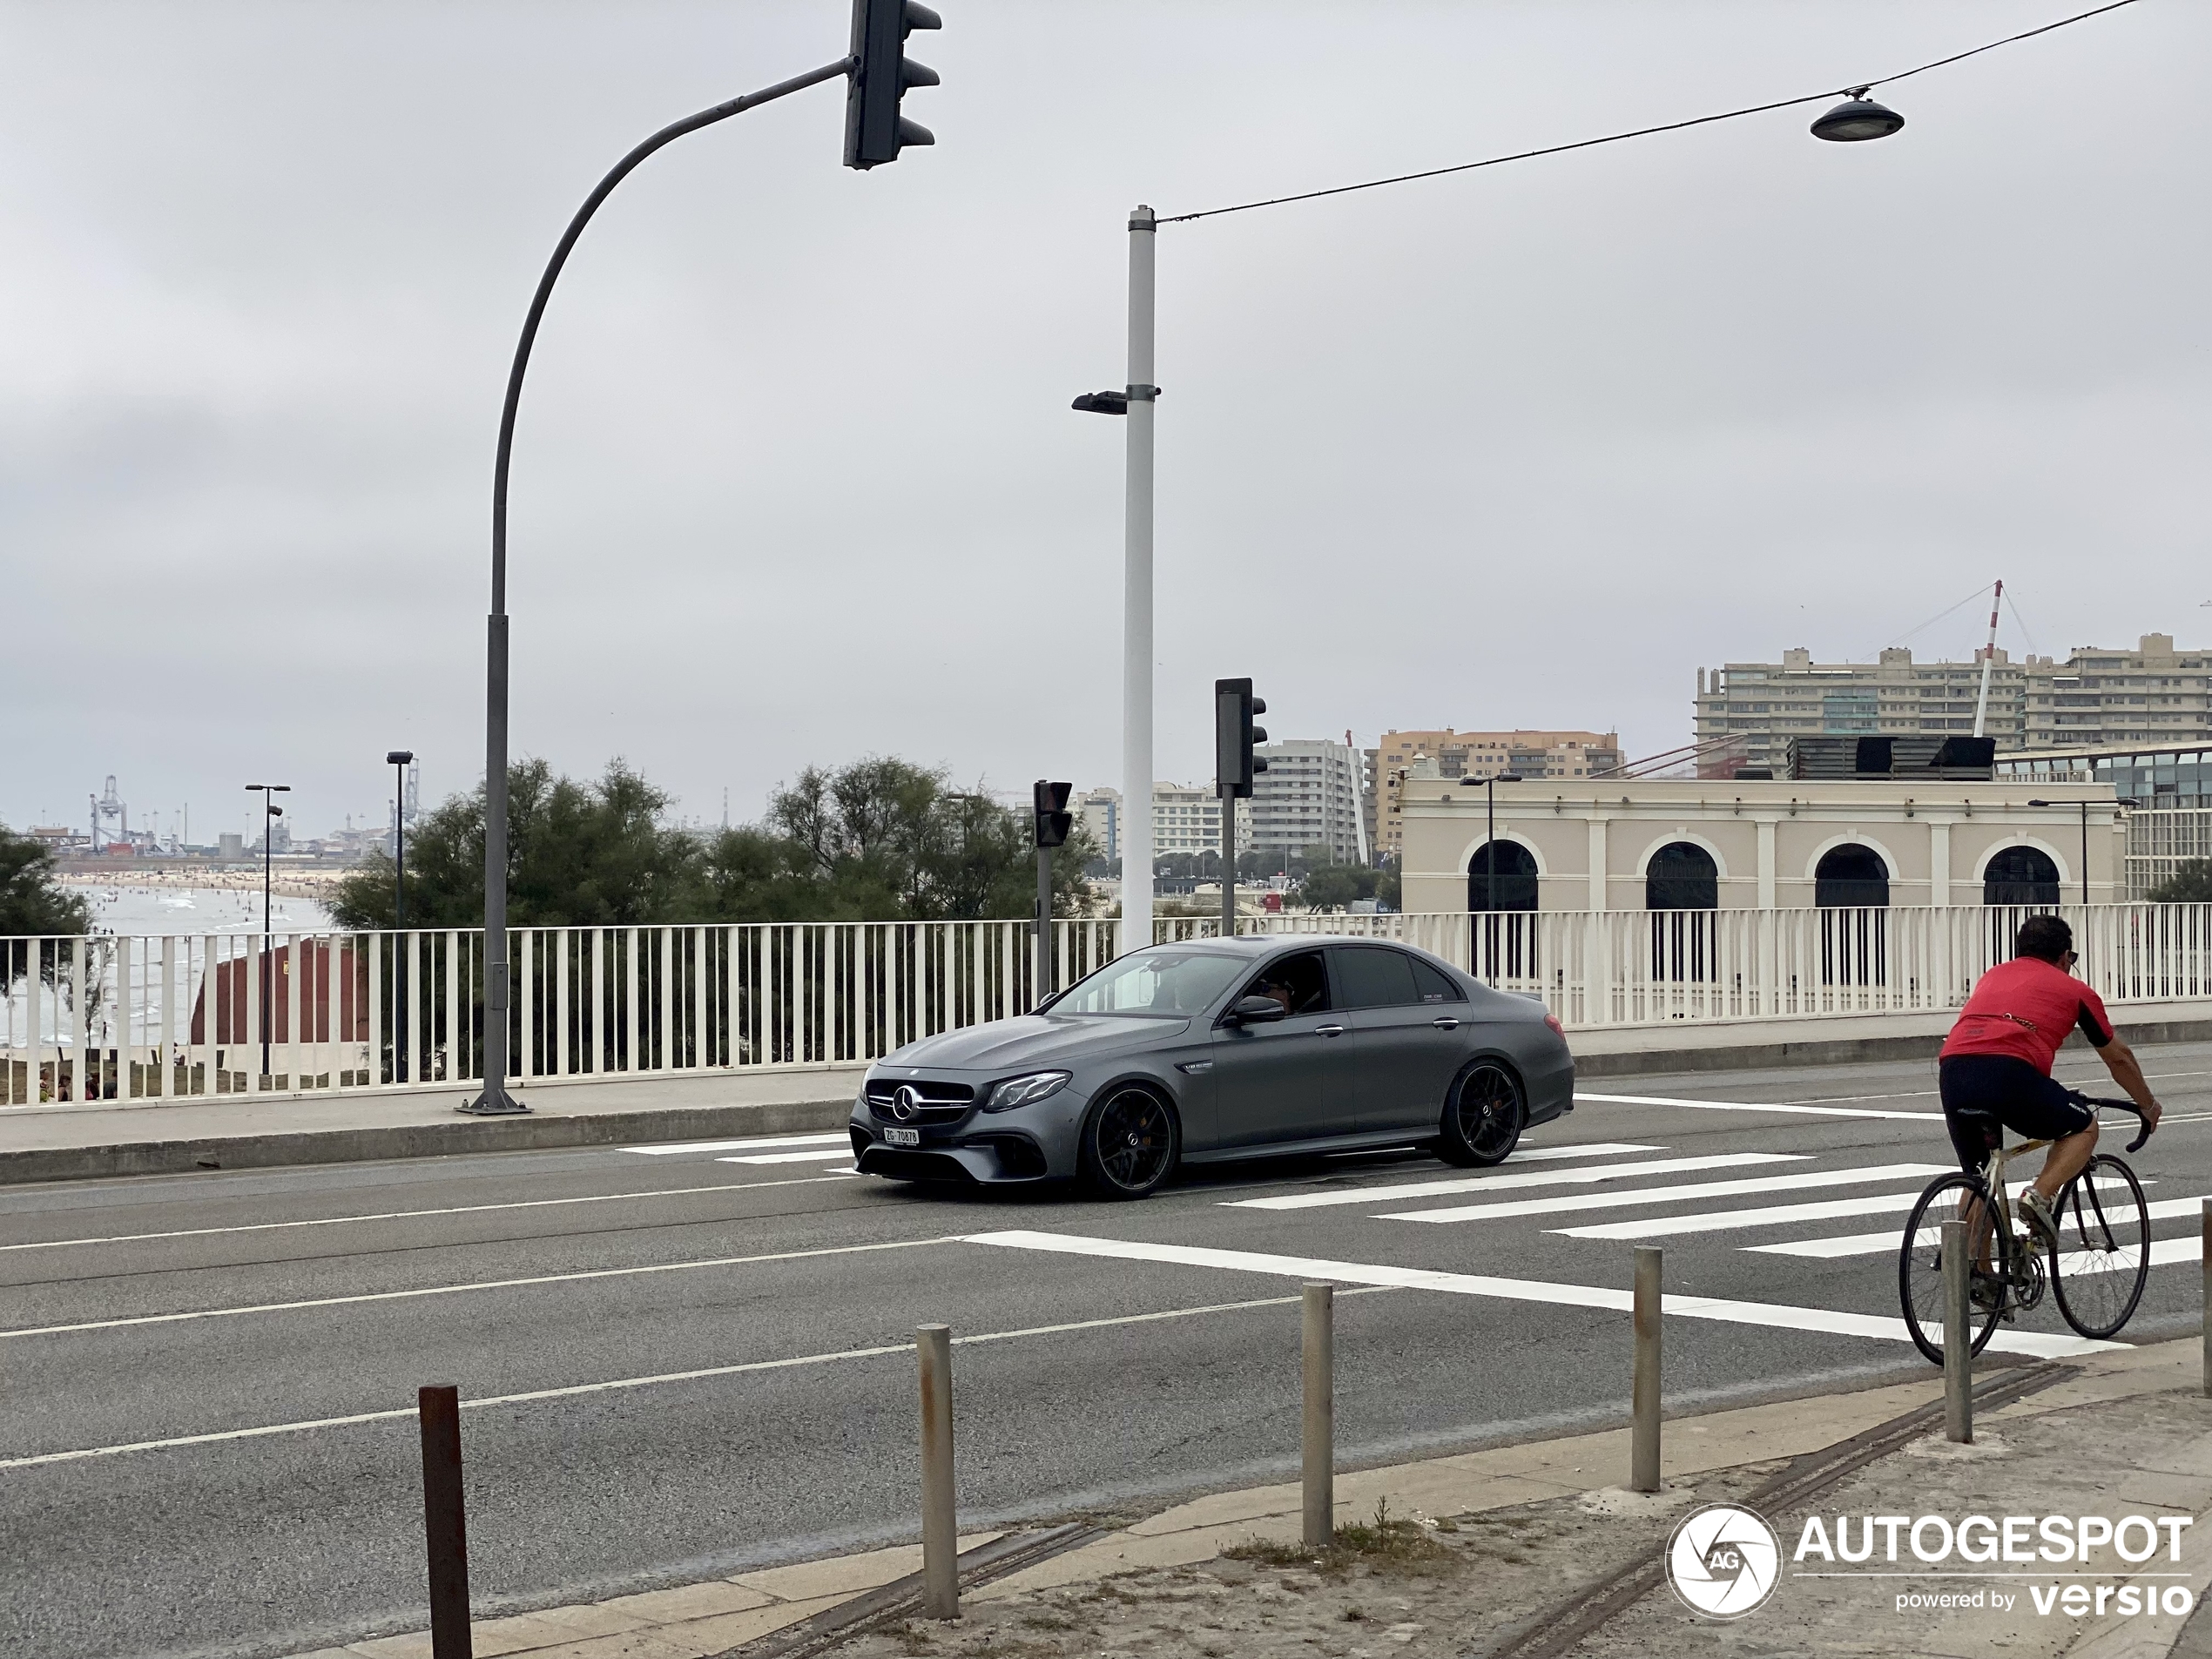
[1186, 818]
[1472, 754]
[1101, 812]
[1309, 796]
[2096, 697]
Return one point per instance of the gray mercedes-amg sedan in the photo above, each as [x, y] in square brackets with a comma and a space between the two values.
[1215, 1050]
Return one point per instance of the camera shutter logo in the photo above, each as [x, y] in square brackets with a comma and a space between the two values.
[1723, 1562]
[905, 1101]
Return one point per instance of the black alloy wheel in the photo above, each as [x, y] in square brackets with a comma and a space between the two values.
[1484, 1119]
[1129, 1146]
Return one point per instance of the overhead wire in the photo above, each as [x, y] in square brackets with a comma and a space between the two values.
[1856, 89]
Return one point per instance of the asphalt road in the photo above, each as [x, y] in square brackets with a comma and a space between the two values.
[683, 1365]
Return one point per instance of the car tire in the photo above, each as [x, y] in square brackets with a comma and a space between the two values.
[1130, 1144]
[1483, 1116]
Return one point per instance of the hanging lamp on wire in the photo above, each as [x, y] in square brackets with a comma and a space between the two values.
[1857, 119]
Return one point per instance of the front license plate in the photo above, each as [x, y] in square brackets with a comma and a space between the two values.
[902, 1137]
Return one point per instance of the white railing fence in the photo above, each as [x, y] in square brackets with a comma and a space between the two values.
[143, 1018]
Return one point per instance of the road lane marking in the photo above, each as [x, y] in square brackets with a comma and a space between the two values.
[1594, 1149]
[1723, 1220]
[478, 1284]
[575, 1390]
[1776, 1316]
[410, 1215]
[756, 1143]
[1617, 1200]
[1754, 1106]
[1496, 1183]
[820, 1155]
[1876, 1243]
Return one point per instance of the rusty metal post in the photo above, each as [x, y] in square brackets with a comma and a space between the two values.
[2206, 1318]
[939, 1536]
[444, 1526]
[1644, 1447]
[1958, 1335]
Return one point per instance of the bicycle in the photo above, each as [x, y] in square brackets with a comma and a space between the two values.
[2097, 1267]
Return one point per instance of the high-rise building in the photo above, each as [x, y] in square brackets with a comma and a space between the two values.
[1100, 811]
[1186, 818]
[1474, 754]
[2095, 698]
[1309, 796]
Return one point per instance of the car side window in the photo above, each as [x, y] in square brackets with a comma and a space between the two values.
[1374, 977]
[1433, 985]
[1299, 983]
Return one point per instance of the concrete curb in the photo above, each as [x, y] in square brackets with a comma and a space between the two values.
[542, 1132]
[1838, 1051]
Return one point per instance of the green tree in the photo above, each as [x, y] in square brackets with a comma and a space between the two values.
[578, 854]
[2191, 883]
[1330, 885]
[31, 901]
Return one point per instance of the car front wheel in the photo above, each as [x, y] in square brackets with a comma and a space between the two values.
[1484, 1117]
[1129, 1144]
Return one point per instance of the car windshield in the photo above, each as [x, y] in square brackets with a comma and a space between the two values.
[1163, 980]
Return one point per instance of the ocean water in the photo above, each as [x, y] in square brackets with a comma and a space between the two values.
[198, 910]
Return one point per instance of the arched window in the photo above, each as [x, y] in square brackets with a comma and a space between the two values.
[1511, 880]
[1851, 876]
[2021, 875]
[1681, 876]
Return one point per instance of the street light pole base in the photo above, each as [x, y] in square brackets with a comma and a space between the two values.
[494, 1102]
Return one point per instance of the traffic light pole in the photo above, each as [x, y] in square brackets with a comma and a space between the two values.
[1045, 975]
[495, 1101]
[1227, 862]
[1136, 597]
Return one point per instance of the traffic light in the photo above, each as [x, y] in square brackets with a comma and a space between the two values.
[1051, 821]
[1234, 734]
[874, 131]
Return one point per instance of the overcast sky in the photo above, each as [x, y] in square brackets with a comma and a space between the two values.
[796, 479]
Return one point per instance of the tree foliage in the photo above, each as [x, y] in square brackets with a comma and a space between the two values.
[877, 840]
[31, 901]
[2191, 883]
[1330, 885]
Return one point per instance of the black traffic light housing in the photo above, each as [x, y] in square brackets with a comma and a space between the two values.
[1051, 821]
[881, 73]
[1234, 734]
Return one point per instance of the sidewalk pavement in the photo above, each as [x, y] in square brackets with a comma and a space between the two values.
[1485, 1552]
[72, 1142]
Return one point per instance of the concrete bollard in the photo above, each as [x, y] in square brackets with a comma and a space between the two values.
[940, 1537]
[1643, 1446]
[444, 1526]
[1320, 1436]
[1957, 1335]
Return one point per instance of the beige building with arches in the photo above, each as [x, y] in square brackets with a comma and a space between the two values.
[1598, 844]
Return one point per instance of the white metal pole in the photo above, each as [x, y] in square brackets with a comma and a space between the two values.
[1136, 598]
[1988, 661]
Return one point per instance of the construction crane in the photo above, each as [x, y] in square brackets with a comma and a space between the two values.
[110, 807]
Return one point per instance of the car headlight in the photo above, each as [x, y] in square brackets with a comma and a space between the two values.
[1023, 1091]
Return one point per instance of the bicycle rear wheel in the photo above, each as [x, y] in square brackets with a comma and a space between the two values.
[2102, 1261]
[1919, 1264]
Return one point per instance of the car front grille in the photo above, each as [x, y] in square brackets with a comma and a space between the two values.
[938, 1103]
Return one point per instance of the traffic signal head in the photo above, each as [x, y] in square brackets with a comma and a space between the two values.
[1051, 819]
[874, 131]
[1234, 734]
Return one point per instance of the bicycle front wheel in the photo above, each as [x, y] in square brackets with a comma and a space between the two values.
[1919, 1265]
[2101, 1260]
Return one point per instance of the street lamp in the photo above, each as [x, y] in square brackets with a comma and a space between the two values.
[399, 761]
[270, 812]
[1490, 832]
[495, 1101]
[2084, 841]
[1857, 119]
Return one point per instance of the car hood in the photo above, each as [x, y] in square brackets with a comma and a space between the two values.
[1034, 1040]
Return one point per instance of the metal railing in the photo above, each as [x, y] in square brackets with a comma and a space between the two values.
[190, 1015]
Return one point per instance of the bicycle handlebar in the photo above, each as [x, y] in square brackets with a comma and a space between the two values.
[2094, 1102]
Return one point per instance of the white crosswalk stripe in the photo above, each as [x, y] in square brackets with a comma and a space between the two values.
[755, 1143]
[1772, 1215]
[1755, 1106]
[1500, 1182]
[1881, 1242]
[1669, 1195]
[819, 1155]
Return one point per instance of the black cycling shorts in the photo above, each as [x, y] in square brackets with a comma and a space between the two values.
[1981, 1091]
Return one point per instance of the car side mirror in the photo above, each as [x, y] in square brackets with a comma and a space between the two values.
[1255, 1010]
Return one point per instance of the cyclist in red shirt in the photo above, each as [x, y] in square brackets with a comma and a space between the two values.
[1995, 1067]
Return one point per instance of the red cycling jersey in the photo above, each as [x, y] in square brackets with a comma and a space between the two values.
[2025, 1008]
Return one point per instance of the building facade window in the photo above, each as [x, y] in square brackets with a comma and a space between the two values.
[1850, 876]
[2021, 875]
[1681, 876]
[1509, 883]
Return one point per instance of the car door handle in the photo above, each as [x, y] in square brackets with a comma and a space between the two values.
[1445, 1025]
[1328, 1030]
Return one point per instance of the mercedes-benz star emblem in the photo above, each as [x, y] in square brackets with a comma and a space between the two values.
[905, 1101]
